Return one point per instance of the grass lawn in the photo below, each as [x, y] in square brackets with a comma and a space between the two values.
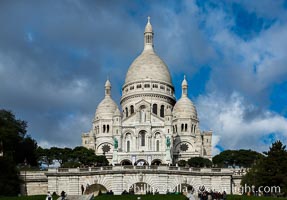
[34, 197]
[243, 197]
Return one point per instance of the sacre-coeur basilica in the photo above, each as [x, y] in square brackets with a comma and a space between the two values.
[151, 127]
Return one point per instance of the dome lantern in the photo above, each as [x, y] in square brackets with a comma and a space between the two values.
[148, 35]
[108, 87]
[184, 87]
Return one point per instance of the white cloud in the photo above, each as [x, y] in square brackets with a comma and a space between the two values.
[233, 127]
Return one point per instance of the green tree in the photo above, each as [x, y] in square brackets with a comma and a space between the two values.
[9, 179]
[44, 156]
[62, 155]
[270, 170]
[17, 148]
[27, 151]
[199, 162]
[12, 133]
[242, 158]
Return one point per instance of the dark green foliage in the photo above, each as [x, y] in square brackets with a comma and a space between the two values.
[79, 156]
[199, 162]
[27, 152]
[9, 180]
[18, 150]
[34, 197]
[241, 158]
[269, 170]
[182, 163]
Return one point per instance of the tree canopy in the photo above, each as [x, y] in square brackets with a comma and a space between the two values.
[242, 158]
[18, 149]
[79, 156]
[199, 162]
[269, 170]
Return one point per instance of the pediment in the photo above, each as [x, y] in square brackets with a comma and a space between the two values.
[142, 102]
[130, 120]
[156, 119]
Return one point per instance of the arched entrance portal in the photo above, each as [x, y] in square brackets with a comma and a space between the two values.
[140, 188]
[141, 162]
[96, 189]
[156, 162]
[126, 162]
[184, 188]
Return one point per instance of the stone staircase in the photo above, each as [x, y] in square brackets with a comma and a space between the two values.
[78, 197]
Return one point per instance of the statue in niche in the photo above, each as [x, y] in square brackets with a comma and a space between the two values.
[116, 143]
[143, 115]
[167, 142]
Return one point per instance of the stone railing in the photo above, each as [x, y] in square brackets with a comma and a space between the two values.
[131, 167]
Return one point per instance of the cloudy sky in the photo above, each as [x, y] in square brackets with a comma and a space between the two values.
[55, 57]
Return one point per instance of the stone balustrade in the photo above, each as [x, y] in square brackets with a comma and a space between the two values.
[139, 168]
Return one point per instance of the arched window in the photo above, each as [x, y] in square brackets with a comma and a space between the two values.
[157, 145]
[185, 128]
[132, 109]
[128, 146]
[127, 112]
[108, 128]
[104, 128]
[162, 111]
[182, 126]
[154, 108]
[142, 137]
[176, 128]
[192, 128]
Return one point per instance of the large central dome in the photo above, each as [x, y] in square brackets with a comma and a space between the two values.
[148, 65]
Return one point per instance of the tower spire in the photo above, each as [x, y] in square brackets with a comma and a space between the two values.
[148, 35]
[108, 87]
[184, 86]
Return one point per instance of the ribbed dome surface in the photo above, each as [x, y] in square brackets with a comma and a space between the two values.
[184, 108]
[150, 66]
[107, 107]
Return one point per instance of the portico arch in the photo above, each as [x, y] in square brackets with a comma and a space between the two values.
[126, 162]
[141, 162]
[95, 189]
[156, 162]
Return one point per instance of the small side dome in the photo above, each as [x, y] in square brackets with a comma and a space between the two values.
[106, 108]
[184, 108]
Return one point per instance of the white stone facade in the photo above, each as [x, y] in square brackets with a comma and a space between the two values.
[120, 178]
[152, 127]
